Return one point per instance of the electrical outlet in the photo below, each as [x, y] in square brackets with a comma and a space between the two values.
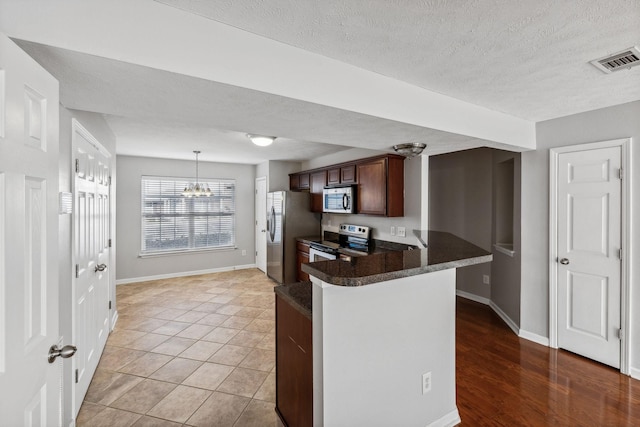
[401, 232]
[485, 279]
[426, 383]
[244, 252]
[393, 231]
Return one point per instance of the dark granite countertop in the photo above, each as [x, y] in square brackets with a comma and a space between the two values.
[377, 246]
[444, 251]
[298, 295]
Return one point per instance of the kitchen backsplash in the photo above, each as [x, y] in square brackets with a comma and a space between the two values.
[380, 226]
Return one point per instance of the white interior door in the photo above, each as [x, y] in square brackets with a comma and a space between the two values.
[589, 243]
[91, 309]
[30, 392]
[261, 223]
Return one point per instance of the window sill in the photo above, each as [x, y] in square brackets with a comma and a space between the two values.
[505, 248]
[186, 252]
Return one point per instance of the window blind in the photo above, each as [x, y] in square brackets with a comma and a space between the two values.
[172, 222]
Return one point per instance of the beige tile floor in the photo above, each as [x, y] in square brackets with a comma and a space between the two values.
[194, 351]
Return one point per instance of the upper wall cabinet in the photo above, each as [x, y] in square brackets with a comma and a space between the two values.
[318, 182]
[379, 180]
[299, 181]
[381, 186]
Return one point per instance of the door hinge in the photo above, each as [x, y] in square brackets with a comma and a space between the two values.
[620, 173]
[620, 254]
[109, 180]
[620, 334]
[77, 271]
[109, 242]
[256, 253]
[109, 305]
[77, 165]
[76, 376]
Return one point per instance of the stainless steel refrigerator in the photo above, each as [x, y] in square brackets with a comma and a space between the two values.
[288, 216]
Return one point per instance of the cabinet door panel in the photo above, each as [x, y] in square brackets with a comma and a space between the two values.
[318, 182]
[294, 182]
[303, 180]
[333, 176]
[294, 365]
[348, 174]
[303, 258]
[372, 187]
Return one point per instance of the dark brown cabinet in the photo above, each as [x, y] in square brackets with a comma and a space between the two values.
[303, 258]
[348, 174]
[372, 190]
[294, 366]
[342, 175]
[318, 182]
[381, 187]
[294, 182]
[333, 176]
[380, 182]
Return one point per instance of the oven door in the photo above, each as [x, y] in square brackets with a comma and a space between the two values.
[316, 254]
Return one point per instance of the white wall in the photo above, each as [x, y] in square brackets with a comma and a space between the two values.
[131, 266]
[279, 174]
[371, 346]
[616, 122]
[98, 127]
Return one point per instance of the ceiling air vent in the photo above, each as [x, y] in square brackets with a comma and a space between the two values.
[619, 61]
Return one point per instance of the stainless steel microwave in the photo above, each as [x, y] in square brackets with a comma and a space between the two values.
[339, 199]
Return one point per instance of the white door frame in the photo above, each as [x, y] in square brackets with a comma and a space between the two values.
[625, 307]
[260, 210]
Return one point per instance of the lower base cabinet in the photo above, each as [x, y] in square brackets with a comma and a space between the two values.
[294, 366]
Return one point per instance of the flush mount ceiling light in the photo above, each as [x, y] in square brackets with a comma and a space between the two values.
[410, 149]
[196, 189]
[261, 140]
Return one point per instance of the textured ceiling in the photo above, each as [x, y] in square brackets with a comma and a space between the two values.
[161, 114]
[529, 59]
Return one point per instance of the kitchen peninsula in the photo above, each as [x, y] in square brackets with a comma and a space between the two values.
[383, 334]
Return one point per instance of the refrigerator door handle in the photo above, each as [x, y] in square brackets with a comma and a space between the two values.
[272, 231]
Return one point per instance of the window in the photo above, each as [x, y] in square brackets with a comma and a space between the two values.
[172, 222]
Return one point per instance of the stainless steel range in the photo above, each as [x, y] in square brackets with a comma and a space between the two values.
[353, 240]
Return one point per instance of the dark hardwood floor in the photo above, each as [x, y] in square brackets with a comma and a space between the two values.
[503, 380]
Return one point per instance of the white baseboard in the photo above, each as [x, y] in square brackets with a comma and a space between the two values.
[473, 297]
[184, 274]
[539, 339]
[634, 373]
[448, 420]
[510, 323]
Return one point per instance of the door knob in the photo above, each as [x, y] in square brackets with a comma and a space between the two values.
[564, 261]
[65, 352]
[100, 267]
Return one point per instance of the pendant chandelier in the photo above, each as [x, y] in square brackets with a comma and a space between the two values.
[197, 189]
